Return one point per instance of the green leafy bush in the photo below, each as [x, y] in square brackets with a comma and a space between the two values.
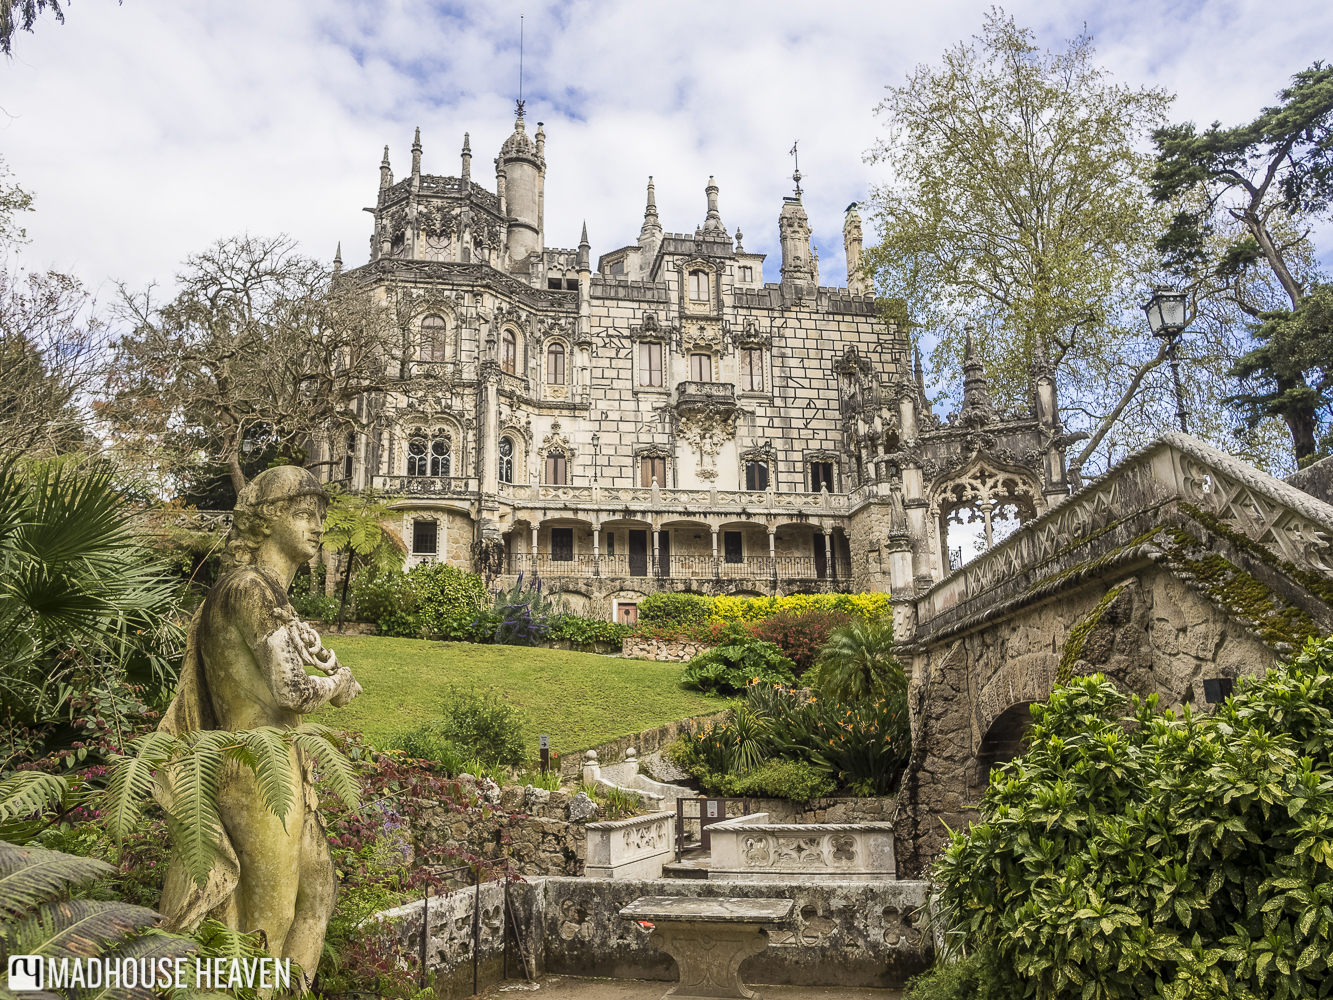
[430, 742]
[675, 609]
[432, 601]
[801, 633]
[965, 979]
[1133, 852]
[730, 668]
[484, 727]
[584, 631]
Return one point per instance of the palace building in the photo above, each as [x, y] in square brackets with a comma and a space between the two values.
[667, 418]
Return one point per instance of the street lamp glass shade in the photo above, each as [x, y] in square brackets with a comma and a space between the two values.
[595, 439]
[1166, 312]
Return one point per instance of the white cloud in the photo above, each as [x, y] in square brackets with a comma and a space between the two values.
[150, 129]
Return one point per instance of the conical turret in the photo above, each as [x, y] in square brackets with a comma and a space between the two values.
[650, 233]
[713, 222]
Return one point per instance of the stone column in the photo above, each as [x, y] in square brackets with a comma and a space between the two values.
[717, 569]
[489, 440]
[533, 567]
[655, 571]
[828, 562]
[772, 555]
[596, 550]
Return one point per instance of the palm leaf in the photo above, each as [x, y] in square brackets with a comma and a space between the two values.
[272, 766]
[30, 875]
[335, 767]
[26, 792]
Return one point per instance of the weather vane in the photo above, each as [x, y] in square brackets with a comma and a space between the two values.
[519, 102]
[797, 175]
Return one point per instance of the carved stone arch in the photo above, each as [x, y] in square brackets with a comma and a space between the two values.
[449, 309]
[711, 304]
[982, 487]
[555, 441]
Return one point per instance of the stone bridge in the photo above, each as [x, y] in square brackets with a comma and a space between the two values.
[1180, 564]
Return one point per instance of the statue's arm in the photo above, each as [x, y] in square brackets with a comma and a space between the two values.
[282, 656]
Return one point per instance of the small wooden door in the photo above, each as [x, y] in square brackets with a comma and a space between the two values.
[627, 613]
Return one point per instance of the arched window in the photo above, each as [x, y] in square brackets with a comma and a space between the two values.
[429, 454]
[555, 468]
[416, 453]
[555, 365]
[440, 447]
[506, 460]
[509, 352]
[433, 347]
[698, 286]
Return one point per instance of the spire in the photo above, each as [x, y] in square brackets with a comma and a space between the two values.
[467, 162]
[713, 223]
[1041, 360]
[920, 381]
[852, 245]
[796, 174]
[650, 210]
[386, 173]
[338, 260]
[977, 407]
[416, 154]
[650, 233]
[584, 248]
[541, 141]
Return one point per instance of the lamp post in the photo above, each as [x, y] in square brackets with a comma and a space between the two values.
[1166, 318]
[595, 452]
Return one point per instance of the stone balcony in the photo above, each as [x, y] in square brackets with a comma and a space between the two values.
[454, 487]
[656, 498]
[705, 396]
[790, 569]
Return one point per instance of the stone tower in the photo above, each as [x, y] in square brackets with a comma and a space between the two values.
[521, 174]
[857, 283]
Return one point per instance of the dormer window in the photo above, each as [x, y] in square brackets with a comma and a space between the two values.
[746, 273]
[618, 267]
[698, 286]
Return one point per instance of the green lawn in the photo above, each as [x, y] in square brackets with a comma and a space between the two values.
[579, 699]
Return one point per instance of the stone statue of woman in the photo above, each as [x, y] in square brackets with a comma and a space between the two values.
[245, 667]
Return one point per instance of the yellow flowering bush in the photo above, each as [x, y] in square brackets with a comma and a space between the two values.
[869, 607]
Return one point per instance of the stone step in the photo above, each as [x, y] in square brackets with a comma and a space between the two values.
[694, 864]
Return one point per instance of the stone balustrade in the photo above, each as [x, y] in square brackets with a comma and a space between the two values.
[749, 848]
[631, 848]
[658, 498]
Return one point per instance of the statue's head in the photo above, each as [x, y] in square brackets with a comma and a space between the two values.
[269, 497]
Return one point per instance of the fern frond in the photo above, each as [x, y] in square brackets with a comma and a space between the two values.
[81, 928]
[132, 780]
[152, 945]
[23, 793]
[32, 875]
[273, 767]
[193, 817]
[217, 940]
[335, 767]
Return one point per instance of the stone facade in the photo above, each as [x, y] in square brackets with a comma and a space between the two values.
[667, 420]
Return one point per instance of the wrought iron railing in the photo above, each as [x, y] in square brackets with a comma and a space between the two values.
[690, 566]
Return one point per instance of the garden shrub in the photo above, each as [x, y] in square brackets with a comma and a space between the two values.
[308, 597]
[584, 631]
[756, 609]
[675, 609]
[430, 742]
[800, 633]
[484, 727]
[1134, 852]
[519, 616]
[857, 662]
[432, 601]
[729, 669]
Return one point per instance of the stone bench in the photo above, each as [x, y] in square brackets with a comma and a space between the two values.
[709, 938]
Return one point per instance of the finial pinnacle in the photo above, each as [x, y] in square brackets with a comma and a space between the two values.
[583, 240]
[385, 162]
[416, 139]
[467, 143]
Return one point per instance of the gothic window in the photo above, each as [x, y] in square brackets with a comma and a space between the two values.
[509, 352]
[746, 273]
[698, 286]
[439, 454]
[701, 368]
[650, 364]
[425, 537]
[416, 453]
[351, 451]
[652, 469]
[821, 475]
[555, 365]
[433, 346]
[756, 475]
[752, 370]
[506, 460]
[555, 468]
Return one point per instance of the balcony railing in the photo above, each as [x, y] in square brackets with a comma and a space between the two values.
[705, 394]
[619, 497]
[676, 567]
[425, 485]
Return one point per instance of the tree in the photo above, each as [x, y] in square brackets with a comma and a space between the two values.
[13, 199]
[262, 348]
[355, 521]
[16, 14]
[1264, 180]
[1019, 204]
[857, 664]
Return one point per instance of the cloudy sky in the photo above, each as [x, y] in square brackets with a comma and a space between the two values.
[149, 129]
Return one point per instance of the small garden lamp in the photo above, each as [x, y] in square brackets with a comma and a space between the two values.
[1166, 318]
